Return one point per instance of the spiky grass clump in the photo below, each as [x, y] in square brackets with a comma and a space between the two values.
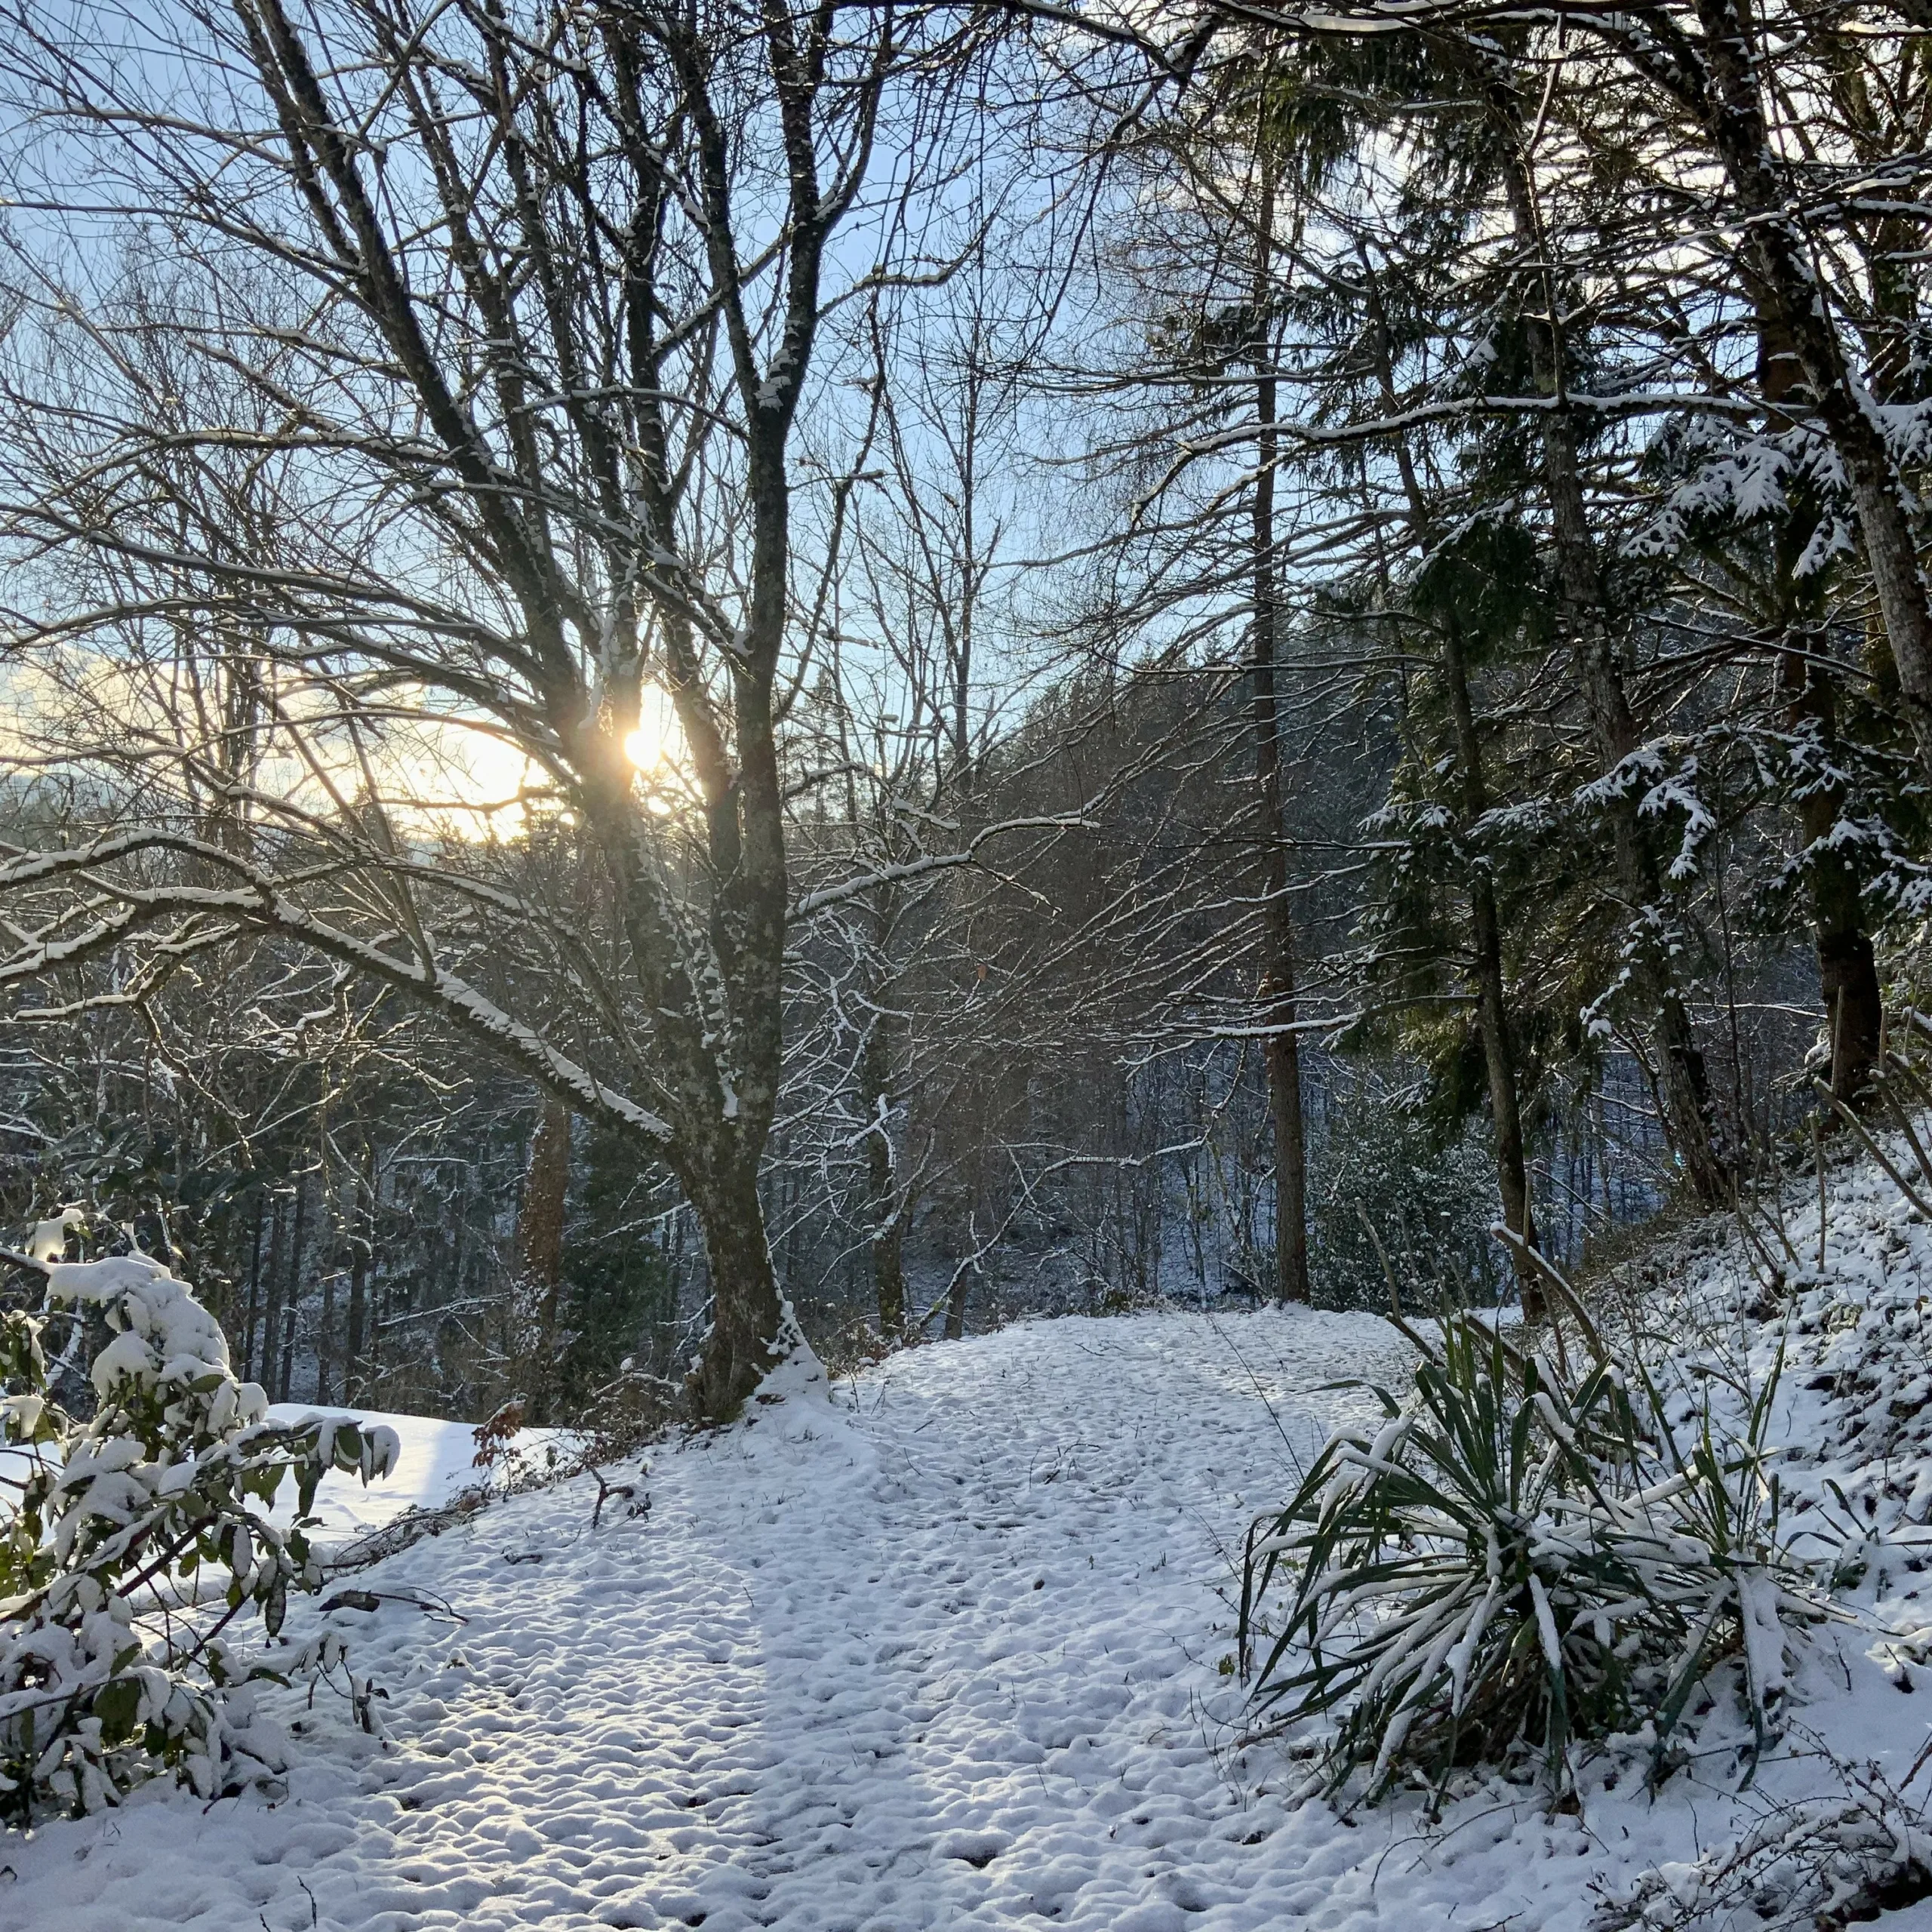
[1520, 1558]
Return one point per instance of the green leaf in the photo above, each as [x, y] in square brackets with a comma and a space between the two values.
[115, 1704]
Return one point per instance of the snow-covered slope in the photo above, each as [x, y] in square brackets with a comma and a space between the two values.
[942, 1651]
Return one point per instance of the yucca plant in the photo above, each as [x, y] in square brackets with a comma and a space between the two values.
[1519, 1558]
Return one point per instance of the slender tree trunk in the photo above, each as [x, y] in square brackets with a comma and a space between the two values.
[359, 1311]
[1275, 996]
[955, 1307]
[888, 1239]
[264, 1364]
[284, 1381]
[293, 1296]
[888, 1248]
[888, 1236]
[325, 1338]
[254, 1284]
[1499, 1050]
[962, 1284]
[362, 1252]
[795, 1230]
[1848, 968]
[1492, 995]
[1499, 1066]
[539, 1242]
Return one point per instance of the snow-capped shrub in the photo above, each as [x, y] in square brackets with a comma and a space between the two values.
[132, 1543]
[1518, 1558]
[1819, 1866]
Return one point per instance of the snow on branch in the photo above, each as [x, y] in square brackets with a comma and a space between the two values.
[936, 861]
[261, 901]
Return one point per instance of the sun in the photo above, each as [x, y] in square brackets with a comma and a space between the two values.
[657, 741]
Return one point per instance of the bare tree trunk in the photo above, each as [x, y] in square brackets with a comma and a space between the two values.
[888, 1239]
[1848, 968]
[962, 1280]
[247, 1337]
[539, 1242]
[359, 1311]
[361, 1251]
[1275, 996]
[747, 1314]
[1499, 1050]
[293, 1295]
[1492, 997]
[955, 1305]
[263, 1364]
[284, 1381]
[885, 1206]
[794, 1222]
[889, 1277]
[325, 1337]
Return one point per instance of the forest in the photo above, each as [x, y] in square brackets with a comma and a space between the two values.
[1088, 664]
[694, 686]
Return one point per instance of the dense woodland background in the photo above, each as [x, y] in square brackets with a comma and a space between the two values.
[1350, 661]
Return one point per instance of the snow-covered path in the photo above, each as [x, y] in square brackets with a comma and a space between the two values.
[949, 1660]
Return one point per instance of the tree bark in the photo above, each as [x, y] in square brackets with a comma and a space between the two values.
[1276, 995]
[254, 1307]
[293, 1296]
[1847, 969]
[284, 1381]
[887, 1237]
[539, 1242]
[1485, 925]
[886, 1203]
[747, 1328]
[264, 1364]
[956, 1300]
[1492, 994]
[362, 1253]
[325, 1337]
[888, 1248]
[959, 1294]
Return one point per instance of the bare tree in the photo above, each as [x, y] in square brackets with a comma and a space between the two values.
[463, 388]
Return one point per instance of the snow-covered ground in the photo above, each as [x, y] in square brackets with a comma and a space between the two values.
[943, 1650]
[434, 1460]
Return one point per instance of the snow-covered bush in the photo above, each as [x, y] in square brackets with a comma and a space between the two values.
[1817, 1865]
[1520, 1558]
[134, 1543]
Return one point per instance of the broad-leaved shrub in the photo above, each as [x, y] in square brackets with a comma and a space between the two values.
[137, 1544]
